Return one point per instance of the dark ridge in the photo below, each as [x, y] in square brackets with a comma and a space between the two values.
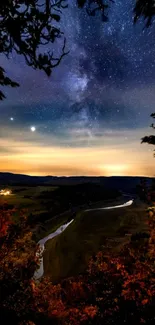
[123, 183]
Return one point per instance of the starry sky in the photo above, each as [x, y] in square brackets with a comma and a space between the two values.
[88, 118]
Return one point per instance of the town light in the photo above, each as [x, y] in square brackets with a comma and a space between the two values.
[5, 192]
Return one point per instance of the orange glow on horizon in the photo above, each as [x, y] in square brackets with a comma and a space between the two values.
[32, 157]
[76, 161]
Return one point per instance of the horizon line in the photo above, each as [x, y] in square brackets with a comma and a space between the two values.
[78, 176]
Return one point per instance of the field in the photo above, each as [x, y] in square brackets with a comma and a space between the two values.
[47, 207]
[26, 198]
[68, 254]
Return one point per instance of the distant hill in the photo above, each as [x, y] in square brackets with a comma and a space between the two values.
[123, 183]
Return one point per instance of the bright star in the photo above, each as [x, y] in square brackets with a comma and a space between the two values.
[11, 119]
[33, 129]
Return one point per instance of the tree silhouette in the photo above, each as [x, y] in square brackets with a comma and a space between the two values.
[151, 138]
[145, 9]
[26, 26]
[23, 301]
[94, 6]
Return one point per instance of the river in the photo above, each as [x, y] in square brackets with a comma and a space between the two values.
[39, 273]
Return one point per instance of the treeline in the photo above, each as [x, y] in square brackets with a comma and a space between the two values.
[70, 197]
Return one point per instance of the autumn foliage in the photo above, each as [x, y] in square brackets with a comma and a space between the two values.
[17, 265]
[24, 300]
[114, 290]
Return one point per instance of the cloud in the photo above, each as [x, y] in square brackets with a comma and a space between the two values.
[107, 153]
[73, 135]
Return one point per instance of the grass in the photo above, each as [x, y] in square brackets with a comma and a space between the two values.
[43, 203]
[26, 198]
[68, 254]
[50, 227]
[29, 205]
[55, 222]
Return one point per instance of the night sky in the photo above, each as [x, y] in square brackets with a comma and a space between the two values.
[88, 118]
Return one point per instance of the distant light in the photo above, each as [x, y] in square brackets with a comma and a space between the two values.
[33, 129]
[11, 119]
[5, 192]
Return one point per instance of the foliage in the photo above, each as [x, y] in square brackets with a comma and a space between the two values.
[128, 280]
[150, 139]
[18, 262]
[26, 26]
[64, 302]
[145, 9]
[5, 81]
[22, 299]
[115, 289]
[142, 8]
[94, 6]
[121, 288]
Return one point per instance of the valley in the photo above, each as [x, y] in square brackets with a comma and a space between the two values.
[95, 224]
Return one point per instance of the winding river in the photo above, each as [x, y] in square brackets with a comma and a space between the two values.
[39, 273]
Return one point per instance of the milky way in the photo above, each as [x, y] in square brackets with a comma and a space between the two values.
[101, 96]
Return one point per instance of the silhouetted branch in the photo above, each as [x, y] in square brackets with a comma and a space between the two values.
[145, 9]
[94, 6]
[27, 25]
[149, 139]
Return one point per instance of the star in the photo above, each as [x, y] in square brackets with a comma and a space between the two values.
[33, 128]
[99, 98]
